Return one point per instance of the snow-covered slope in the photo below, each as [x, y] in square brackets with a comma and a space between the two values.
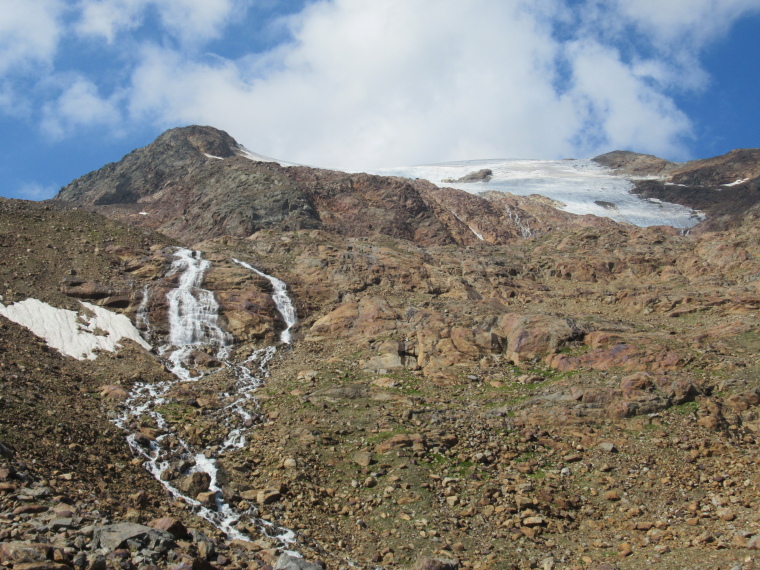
[583, 186]
[74, 334]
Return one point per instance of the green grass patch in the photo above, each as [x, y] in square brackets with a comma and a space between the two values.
[176, 412]
[687, 408]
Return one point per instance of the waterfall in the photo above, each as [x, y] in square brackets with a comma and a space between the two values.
[193, 325]
[280, 298]
[193, 311]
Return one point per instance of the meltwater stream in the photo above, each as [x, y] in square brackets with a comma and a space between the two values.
[193, 327]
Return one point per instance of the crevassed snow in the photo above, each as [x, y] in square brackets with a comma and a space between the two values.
[584, 186]
[580, 184]
[71, 333]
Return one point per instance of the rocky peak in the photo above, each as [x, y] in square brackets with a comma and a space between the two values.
[208, 140]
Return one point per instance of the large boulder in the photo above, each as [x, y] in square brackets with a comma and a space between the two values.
[287, 562]
[125, 535]
[195, 483]
[533, 336]
[367, 319]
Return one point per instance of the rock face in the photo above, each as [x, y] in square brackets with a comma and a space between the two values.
[725, 188]
[185, 190]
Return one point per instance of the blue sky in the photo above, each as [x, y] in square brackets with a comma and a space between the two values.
[352, 83]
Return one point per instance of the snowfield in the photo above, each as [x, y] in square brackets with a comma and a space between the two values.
[74, 334]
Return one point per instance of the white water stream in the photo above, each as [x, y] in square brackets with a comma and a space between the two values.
[193, 327]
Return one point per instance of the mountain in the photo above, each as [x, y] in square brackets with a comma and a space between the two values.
[210, 361]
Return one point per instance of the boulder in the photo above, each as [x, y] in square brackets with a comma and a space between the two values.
[195, 483]
[123, 535]
[532, 336]
[426, 563]
[171, 525]
[287, 562]
[19, 552]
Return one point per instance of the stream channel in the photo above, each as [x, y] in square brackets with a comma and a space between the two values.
[193, 326]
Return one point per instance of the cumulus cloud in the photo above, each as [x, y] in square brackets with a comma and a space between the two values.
[684, 24]
[29, 33]
[367, 83]
[190, 21]
[79, 105]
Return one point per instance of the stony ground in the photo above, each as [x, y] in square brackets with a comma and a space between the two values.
[583, 399]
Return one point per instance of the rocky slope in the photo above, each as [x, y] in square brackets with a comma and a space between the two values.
[564, 392]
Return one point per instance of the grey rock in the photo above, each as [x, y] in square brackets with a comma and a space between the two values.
[136, 536]
[436, 564]
[62, 523]
[96, 562]
[5, 451]
[285, 562]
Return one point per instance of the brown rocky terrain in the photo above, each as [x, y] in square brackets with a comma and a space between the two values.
[566, 392]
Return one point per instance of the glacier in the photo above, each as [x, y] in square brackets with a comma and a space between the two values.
[580, 186]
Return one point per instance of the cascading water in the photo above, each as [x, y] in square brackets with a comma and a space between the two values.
[193, 326]
[280, 298]
[193, 311]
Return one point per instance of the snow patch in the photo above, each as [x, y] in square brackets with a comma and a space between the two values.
[79, 335]
[244, 152]
[212, 156]
[736, 183]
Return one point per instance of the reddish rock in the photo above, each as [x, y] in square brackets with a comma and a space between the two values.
[170, 524]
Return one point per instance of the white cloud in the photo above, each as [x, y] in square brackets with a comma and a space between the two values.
[373, 83]
[684, 24]
[79, 105]
[190, 21]
[106, 18]
[621, 110]
[379, 83]
[29, 32]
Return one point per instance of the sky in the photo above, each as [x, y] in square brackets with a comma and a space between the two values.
[373, 83]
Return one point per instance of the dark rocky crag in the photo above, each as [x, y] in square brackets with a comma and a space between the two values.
[566, 392]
